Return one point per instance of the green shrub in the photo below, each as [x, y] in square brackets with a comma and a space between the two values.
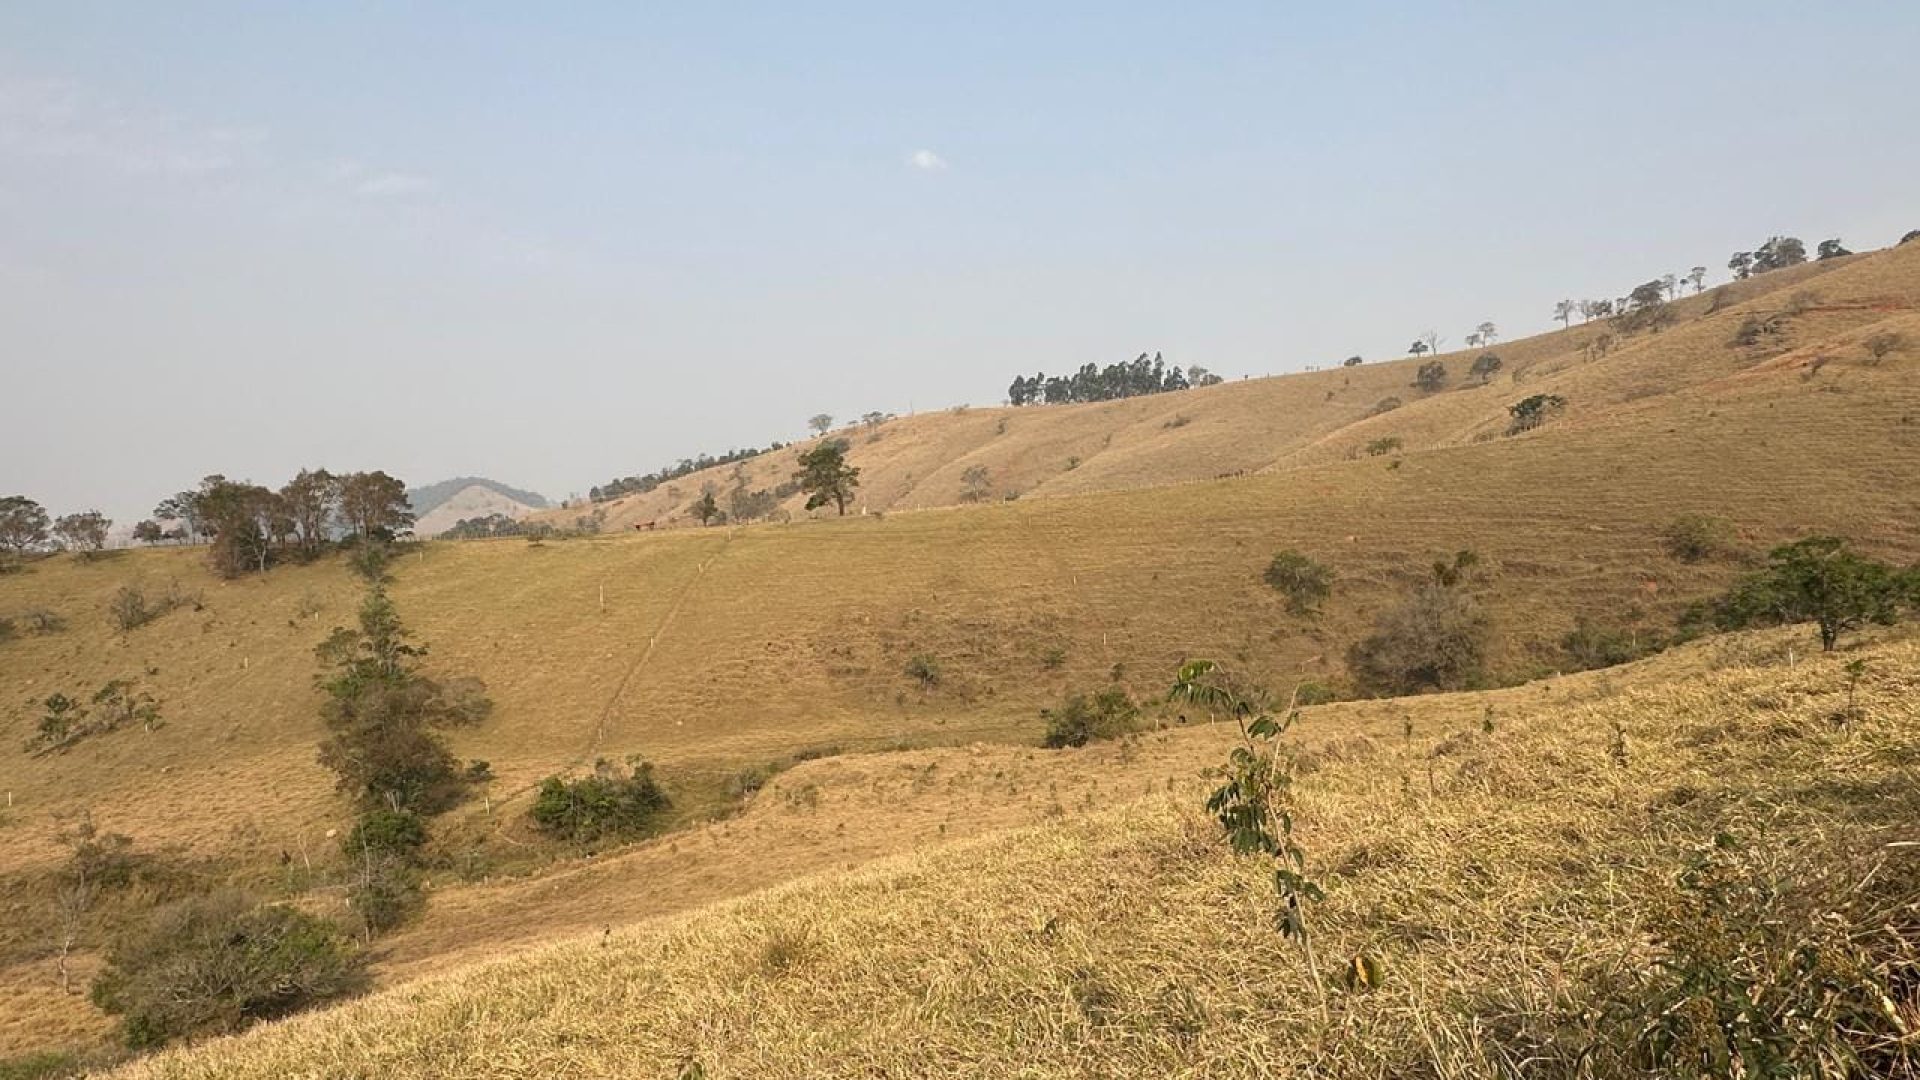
[608, 804]
[1770, 963]
[1532, 412]
[1694, 537]
[215, 964]
[397, 833]
[925, 670]
[1083, 718]
[1302, 581]
[386, 891]
[46, 1065]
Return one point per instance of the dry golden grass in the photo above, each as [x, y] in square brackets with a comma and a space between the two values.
[1304, 420]
[708, 650]
[1497, 875]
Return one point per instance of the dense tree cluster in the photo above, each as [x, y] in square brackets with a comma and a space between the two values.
[640, 485]
[25, 529]
[251, 527]
[1778, 253]
[1137, 378]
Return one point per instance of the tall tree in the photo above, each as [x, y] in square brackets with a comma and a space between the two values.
[1488, 334]
[240, 518]
[1741, 264]
[1818, 580]
[23, 525]
[1418, 348]
[149, 532]
[83, 533]
[706, 508]
[1832, 249]
[373, 505]
[1433, 340]
[1564, 311]
[183, 508]
[1697, 277]
[826, 477]
[821, 423]
[309, 500]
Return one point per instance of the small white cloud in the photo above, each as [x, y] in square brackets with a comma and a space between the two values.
[392, 185]
[63, 120]
[927, 161]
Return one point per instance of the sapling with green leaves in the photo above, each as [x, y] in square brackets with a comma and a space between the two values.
[1254, 803]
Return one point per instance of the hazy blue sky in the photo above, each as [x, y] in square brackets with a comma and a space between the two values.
[556, 247]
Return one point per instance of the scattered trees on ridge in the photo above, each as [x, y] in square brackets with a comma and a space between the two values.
[1137, 378]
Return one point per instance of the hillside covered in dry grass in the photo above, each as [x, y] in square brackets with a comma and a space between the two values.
[1501, 876]
[1534, 894]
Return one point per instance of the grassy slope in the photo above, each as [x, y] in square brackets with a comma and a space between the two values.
[1315, 418]
[718, 648]
[1497, 876]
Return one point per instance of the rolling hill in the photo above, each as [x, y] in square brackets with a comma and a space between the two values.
[1137, 540]
[439, 507]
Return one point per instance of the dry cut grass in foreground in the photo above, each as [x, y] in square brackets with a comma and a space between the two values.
[1522, 886]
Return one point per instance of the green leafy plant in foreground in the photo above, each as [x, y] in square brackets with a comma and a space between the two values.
[1254, 802]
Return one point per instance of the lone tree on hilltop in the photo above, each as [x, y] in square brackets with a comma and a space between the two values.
[1488, 334]
[826, 477]
[23, 525]
[1431, 377]
[821, 423]
[1418, 348]
[84, 534]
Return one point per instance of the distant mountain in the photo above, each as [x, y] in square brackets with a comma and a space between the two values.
[439, 507]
